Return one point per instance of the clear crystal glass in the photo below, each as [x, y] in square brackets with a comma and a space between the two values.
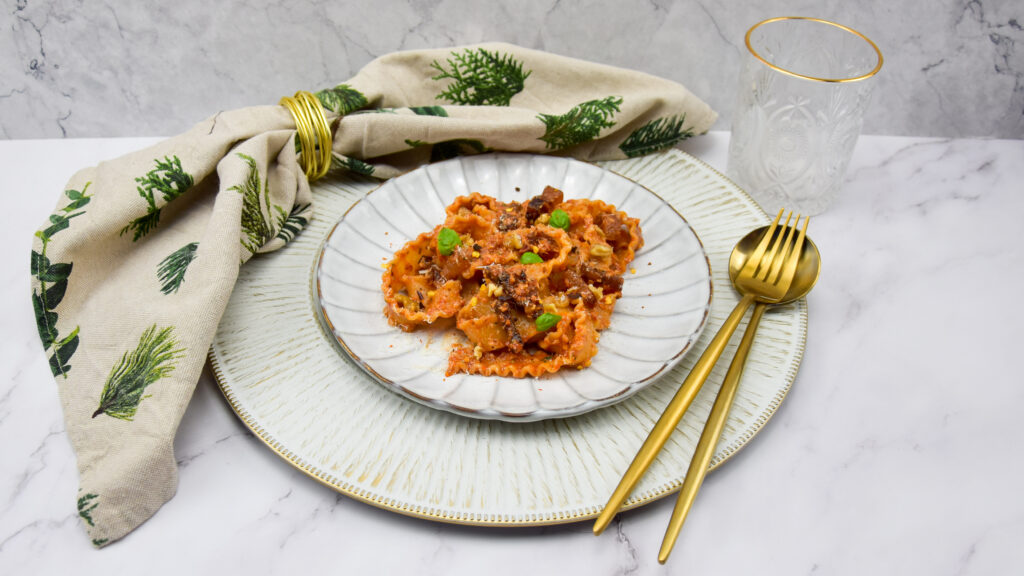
[804, 86]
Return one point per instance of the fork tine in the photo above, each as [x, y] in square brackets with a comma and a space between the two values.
[766, 262]
[787, 245]
[751, 266]
[789, 270]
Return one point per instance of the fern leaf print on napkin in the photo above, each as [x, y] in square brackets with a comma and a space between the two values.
[429, 111]
[171, 270]
[351, 164]
[255, 194]
[656, 135]
[295, 222]
[53, 283]
[151, 360]
[85, 507]
[86, 504]
[582, 123]
[481, 78]
[170, 181]
[341, 99]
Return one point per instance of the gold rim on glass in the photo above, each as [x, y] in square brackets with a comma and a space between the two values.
[804, 76]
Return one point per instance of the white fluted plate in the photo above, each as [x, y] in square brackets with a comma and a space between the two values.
[281, 372]
[663, 308]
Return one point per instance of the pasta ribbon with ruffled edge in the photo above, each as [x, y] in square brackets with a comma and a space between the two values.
[496, 299]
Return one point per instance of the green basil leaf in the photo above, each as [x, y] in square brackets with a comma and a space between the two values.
[547, 321]
[447, 240]
[530, 258]
[559, 219]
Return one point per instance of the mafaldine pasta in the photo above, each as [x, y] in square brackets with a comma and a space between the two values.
[530, 284]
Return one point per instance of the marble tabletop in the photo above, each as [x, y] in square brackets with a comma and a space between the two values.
[898, 450]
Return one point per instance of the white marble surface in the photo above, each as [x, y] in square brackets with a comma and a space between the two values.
[898, 450]
[953, 68]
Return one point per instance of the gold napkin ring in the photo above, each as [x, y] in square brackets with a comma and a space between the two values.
[313, 132]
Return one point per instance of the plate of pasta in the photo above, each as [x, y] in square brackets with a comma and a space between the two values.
[513, 287]
[284, 373]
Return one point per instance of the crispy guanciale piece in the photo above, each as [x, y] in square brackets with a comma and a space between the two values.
[529, 292]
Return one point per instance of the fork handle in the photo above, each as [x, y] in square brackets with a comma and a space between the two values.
[710, 436]
[672, 415]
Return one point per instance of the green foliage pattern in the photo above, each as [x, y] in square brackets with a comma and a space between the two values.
[168, 179]
[481, 77]
[582, 123]
[151, 360]
[53, 283]
[258, 230]
[655, 135]
[342, 99]
[171, 270]
[429, 111]
[351, 164]
[294, 223]
[86, 505]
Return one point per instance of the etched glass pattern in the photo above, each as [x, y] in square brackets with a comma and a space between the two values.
[792, 137]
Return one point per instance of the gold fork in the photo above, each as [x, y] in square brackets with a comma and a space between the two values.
[782, 274]
[753, 281]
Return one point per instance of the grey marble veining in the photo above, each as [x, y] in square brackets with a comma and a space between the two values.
[118, 68]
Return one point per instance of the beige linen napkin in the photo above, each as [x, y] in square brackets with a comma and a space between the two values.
[132, 271]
